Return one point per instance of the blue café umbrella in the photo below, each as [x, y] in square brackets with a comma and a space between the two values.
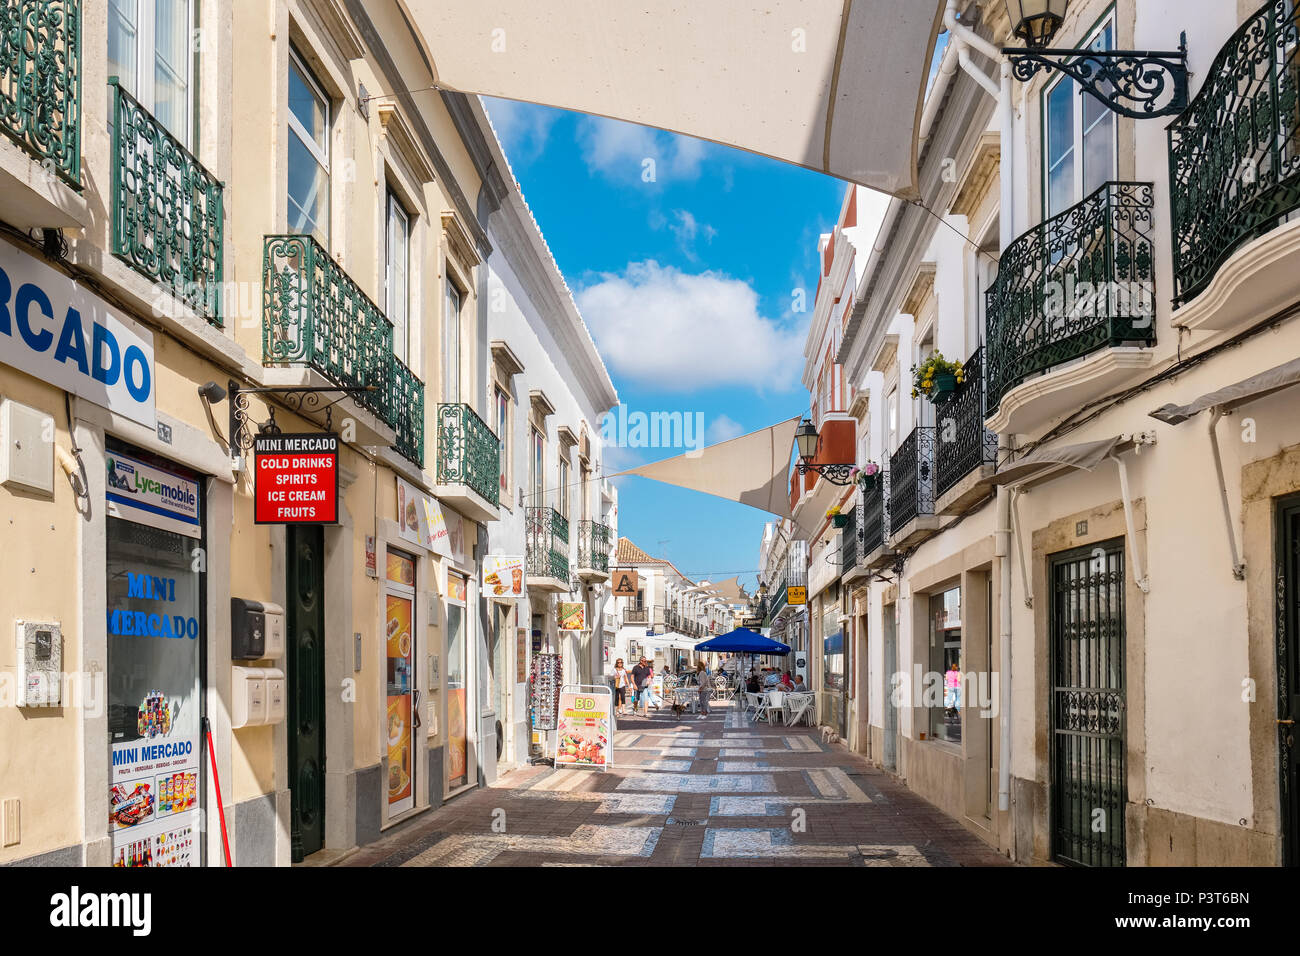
[743, 641]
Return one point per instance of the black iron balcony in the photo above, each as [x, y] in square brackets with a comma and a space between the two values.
[593, 546]
[469, 454]
[636, 615]
[875, 514]
[1234, 154]
[548, 543]
[1081, 281]
[40, 82]
[851, 537]
[168, 218]
[313, 314]
[911, 470]
[963, 443]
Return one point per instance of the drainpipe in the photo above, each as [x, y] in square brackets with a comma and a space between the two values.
[967, 39]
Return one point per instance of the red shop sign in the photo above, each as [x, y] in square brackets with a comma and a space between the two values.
[296, 478]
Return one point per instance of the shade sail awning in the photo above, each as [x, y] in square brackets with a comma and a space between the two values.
[750, 469]
[1045, 463]
[831, 85]
[1233, 396]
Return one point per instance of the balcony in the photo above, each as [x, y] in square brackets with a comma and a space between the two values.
[469, 466]
[636, 615]
[1072, 312]
[593, 551]
[548, 548]
[876, 552]
[1234, 179]
[853, 541]
[911, 493]
[315, 317]
[966, 451]
[40, 82]
[168, 218]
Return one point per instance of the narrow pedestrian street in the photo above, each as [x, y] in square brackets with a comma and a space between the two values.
[686, 791]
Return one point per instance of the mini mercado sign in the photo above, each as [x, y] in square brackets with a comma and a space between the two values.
[57, 331]
[296, 478]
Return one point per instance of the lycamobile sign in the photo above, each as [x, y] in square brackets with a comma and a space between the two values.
[52, 328]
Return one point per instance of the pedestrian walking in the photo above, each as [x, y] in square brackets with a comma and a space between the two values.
[702, 674]
[622, 682]
[641, 686]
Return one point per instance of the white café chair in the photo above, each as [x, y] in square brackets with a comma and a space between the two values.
[776, 704]
[797, 707]
[760, 707]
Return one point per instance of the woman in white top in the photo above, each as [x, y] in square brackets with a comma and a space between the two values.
[622, 681]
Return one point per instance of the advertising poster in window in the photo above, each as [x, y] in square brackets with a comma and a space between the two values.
[457, 744]
[154, 626]
[401, 795]
[503, 575]
[583, 737]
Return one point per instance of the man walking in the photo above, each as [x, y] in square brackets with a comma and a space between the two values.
[641, 681]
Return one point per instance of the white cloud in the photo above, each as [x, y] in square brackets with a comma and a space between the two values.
[619, 150]
[685, 332]
[723, 429]
[687, 229]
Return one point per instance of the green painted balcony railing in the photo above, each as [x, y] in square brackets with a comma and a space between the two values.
[547, 543]
[407, 405]
[168, 219]
[1078, 282]
[593, 546]
[40, 82]
[468, 452]
[313, 314]
[1234, 154]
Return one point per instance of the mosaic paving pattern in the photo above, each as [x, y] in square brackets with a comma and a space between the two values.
[718, 791]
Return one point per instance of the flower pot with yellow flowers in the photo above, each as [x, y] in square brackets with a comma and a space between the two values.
[936, 378]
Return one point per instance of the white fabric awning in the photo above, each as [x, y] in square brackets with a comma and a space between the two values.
[832, 85]
[1045, 463]
[1234, 396]
[751, 469]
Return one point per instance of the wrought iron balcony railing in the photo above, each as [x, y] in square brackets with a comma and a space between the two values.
[779, 599]
[469, 454]
[1078, 282]
[548, 539]
[875, 514]
[168, 216]
[636, 615]
[593, 546]
[1234, 154]
[407, 405]
[313, 314]
[963, 443]
[911, 470]
[40, 82]
[851, 537]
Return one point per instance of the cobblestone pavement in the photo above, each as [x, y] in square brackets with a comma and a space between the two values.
[691, 791]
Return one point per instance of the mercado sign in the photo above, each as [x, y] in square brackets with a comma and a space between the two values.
[54, 329]
[296, 478]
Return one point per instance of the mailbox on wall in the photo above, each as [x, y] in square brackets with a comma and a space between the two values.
[256, 630]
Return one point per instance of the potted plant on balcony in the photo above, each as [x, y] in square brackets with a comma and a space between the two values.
[837, 520]
[866, 475]
[936, 378]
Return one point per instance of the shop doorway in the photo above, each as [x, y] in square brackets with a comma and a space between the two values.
[305, 640]
[401, 696]
[1087, 705]
[1288, 674]
[889, 755]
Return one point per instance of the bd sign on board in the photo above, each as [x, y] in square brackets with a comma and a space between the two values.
[55, 330]
[296, 478]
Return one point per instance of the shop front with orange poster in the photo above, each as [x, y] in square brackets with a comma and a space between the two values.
[399, 588]
[458, 769]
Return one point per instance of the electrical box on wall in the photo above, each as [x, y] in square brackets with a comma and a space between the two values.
[40, 664]
[256, 630]
[257, 696]
[26, 447]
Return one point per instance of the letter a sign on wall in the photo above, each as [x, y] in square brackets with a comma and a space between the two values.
[626, 583]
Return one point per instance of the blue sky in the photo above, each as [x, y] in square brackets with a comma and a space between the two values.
[684, 257]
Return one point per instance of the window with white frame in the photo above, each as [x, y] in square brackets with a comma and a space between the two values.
[536, 467]
[309, 153]
[562, 492]
[451, 344]
[501, 402]
[149, 52]
[1079, 145]
[892, 423]
[398, 277]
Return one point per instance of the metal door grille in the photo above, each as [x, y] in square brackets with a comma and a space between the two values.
[1088, 706]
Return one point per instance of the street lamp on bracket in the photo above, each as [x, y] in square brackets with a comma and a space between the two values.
[806, 440]
[1138, 84]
